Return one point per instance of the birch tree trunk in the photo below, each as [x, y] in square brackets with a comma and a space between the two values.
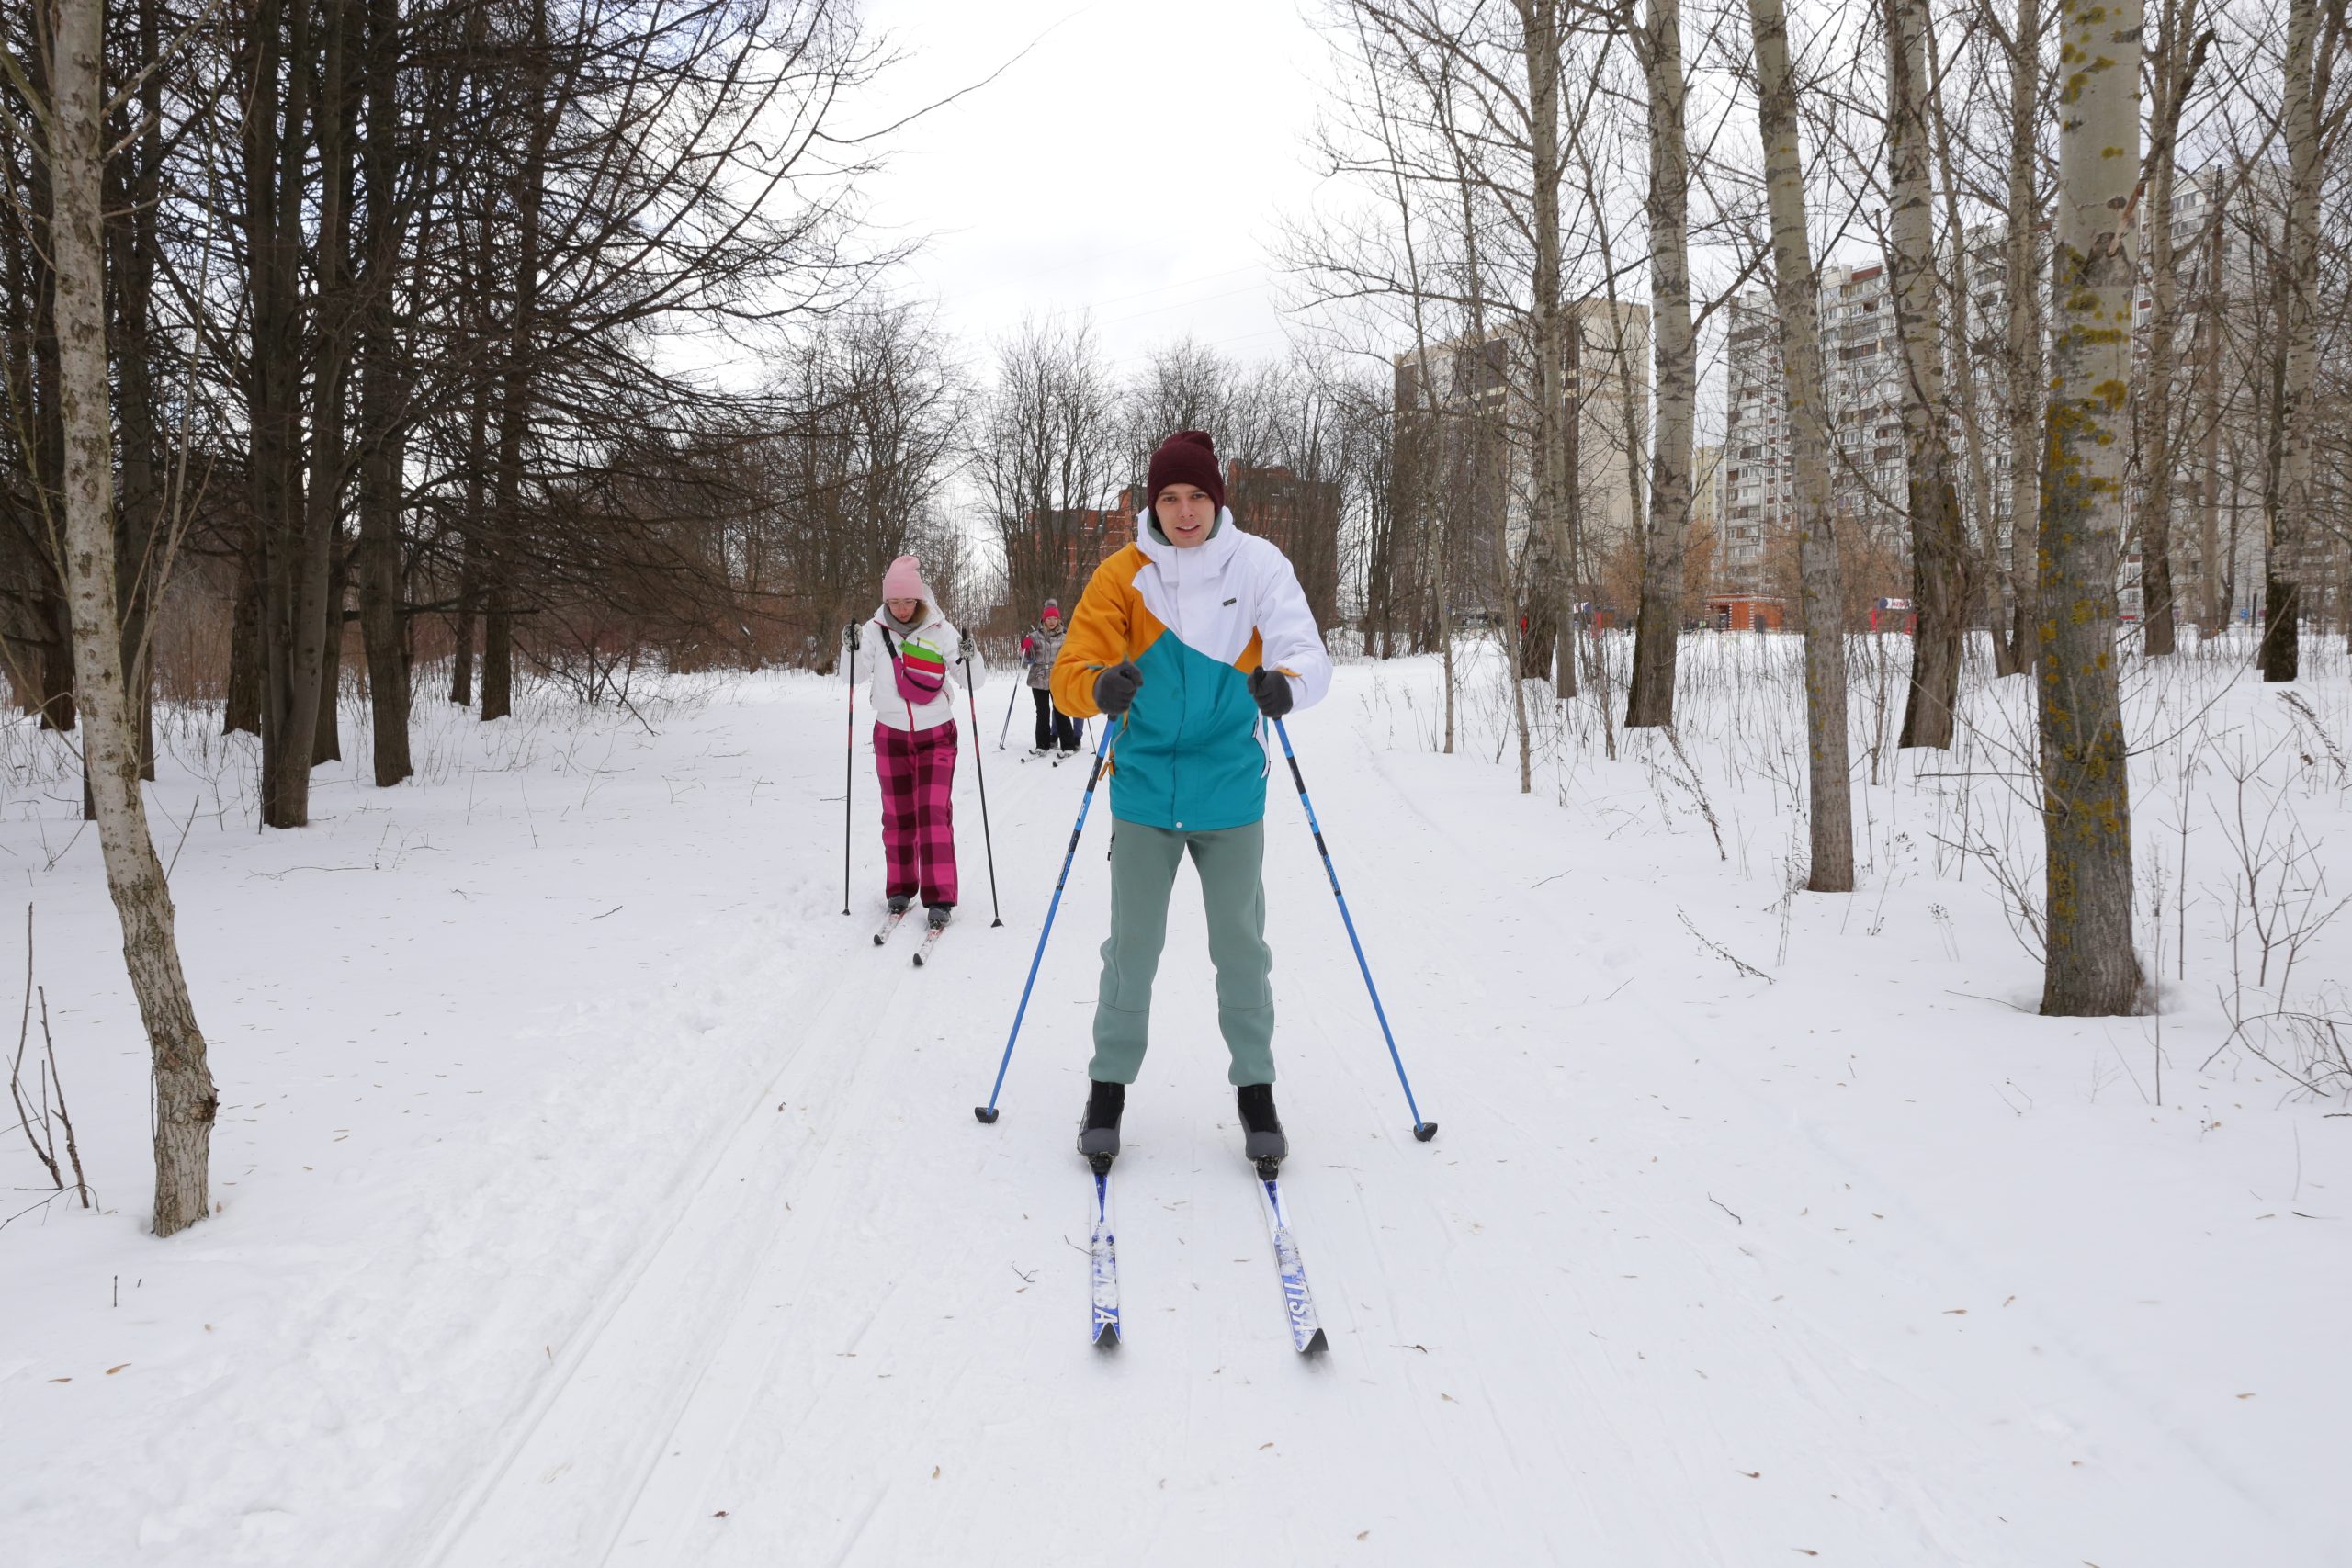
[2091, 969]
[1938, 549]
[1793, 288]
[2158, 619]
[2027, 388]
[1976, 526]
[185, 1101]
[2290, 494]
[2212, 613]
[1548, 639]
[1649, 698]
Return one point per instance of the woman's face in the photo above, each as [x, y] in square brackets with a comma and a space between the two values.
[1186, 513]
[904, 609]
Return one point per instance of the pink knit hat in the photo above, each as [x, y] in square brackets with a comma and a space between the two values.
[904, 581]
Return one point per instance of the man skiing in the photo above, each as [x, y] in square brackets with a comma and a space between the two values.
[1039, 646]
[1188, 639]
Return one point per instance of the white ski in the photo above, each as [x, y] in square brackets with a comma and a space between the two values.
[1104, 1271]
[1298, 1302]
[930, 940]
[889, 924]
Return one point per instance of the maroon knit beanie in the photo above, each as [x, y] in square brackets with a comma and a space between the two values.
[1185, 458]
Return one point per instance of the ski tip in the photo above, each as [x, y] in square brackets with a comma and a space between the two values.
[986, 1113]
[1316, 1346]
[1424, 1132]
[918, 960]
[1106, 1336]
[877, 939]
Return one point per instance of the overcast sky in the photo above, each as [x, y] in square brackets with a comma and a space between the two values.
[1135, 161]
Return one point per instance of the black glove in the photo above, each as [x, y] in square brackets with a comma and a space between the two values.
[1270, 688]
[1116, 687]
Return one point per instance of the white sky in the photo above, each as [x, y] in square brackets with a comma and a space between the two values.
[1135, 161]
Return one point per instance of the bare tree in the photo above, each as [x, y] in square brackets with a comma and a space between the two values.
[185, 1104]
[1048, 457]
[1649, 699]
[1938, 545]
[2024, 354]
[2173, 73]
[1795, 290]
[2288, 493]
[2090, 967]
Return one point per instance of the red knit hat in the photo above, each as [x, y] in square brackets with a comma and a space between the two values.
[1185, 458]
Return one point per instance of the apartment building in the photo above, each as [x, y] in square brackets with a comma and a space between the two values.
[1861, 363]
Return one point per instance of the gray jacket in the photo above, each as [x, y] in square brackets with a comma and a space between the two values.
[1039, 649]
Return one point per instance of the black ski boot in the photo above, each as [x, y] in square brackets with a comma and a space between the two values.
[941, 914]
[901, 902]
[1265, 1146]
[1098, 1130]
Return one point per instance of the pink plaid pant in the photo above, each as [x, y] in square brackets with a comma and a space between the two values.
[918, 771]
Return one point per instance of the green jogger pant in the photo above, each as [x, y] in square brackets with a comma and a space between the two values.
[1143, 870]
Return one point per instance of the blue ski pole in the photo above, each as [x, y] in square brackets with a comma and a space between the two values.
[988, 1113]
[1424, 1131]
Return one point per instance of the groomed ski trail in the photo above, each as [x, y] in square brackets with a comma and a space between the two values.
[593, 1433]
[1556, 1333]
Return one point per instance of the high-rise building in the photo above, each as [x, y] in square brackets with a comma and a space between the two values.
[1861, 383]
[1863, 370]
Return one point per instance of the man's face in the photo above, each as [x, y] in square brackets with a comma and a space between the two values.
[1186, 513]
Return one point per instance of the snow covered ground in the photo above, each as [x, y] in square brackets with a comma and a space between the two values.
[592, 1191]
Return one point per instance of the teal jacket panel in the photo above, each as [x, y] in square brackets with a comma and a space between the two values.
[1189, 758]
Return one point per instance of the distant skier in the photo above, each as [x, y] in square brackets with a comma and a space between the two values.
[1039, 646]
[912, 651]
[1186, 639]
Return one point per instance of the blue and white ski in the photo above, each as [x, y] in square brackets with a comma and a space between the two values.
[1298, 1302]
[1104, 1271]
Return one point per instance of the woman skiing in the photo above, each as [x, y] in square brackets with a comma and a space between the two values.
[1187, 639]
[912, 650]
[1039, 647]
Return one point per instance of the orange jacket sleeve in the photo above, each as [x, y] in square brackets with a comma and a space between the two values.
[1098, 637]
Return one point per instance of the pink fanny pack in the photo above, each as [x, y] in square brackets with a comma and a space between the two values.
[920, 669]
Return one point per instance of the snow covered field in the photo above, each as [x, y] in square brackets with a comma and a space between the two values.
[593, 1191]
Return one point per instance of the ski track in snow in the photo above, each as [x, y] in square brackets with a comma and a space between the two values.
[1644, 1299]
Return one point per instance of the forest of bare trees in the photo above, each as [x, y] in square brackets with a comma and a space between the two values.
[2061, 389]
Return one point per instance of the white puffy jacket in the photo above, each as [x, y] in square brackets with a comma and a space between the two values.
[890, 705]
